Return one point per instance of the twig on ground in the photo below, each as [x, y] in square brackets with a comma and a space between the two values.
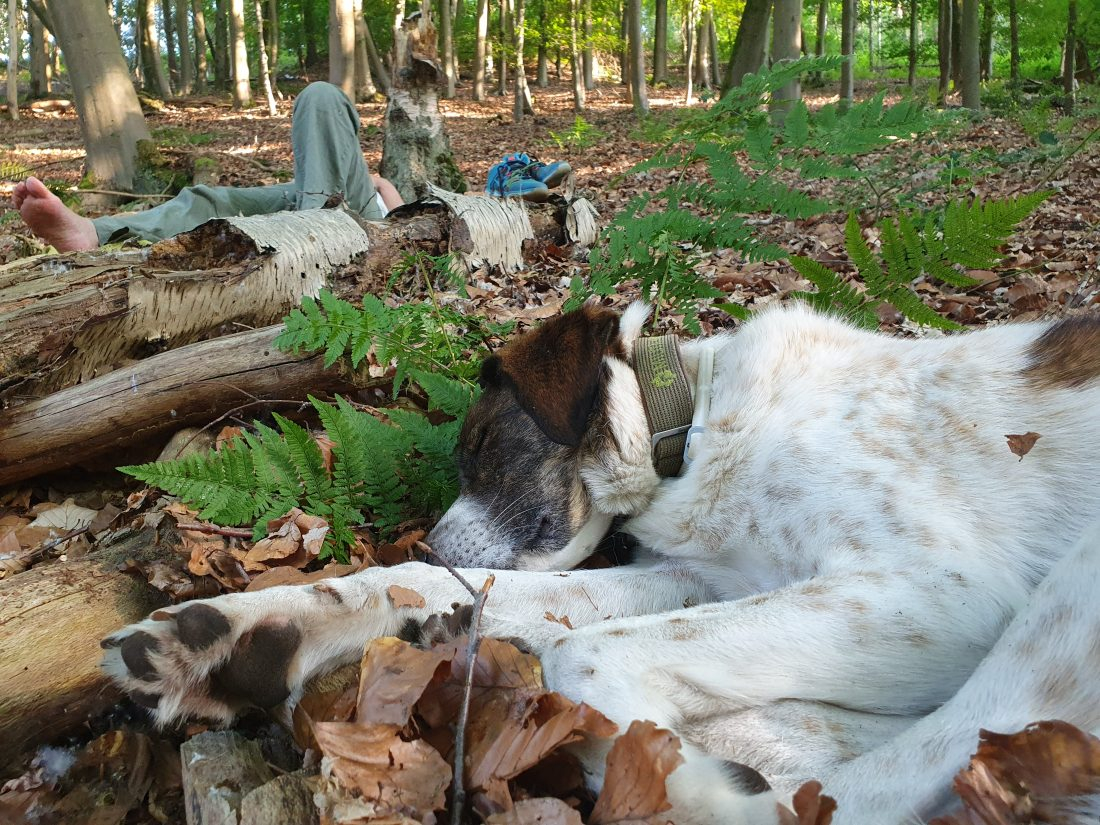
[458, 793]
[232, 413]
[215, 530]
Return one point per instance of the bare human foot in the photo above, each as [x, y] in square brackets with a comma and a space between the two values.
[52, 220]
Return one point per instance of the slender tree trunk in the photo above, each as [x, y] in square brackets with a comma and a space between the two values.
[341, 45]
[588, 53]
[41, 64]
[187, 63]
[221, 43]
[914, 38]
[167, 16]
[871, 33]
[848, 50]
[702, 54]
[574, 58]
[364, 83]
[987, 39]
[822, 27]
[447, 49]
[749, 44]
[199, 16]
[787, 43]
[310, 27]
[970, 56]
[543, 72]
[377, 67]
[242, 90]
[1014, 44]
[519, 104]
[271, 37]
[479, 48]
[660, 42]
[691, 9]
[944, 41]
[956, 41]
[637, 57]
[13, 59]
[154, 68]
[265, 69]
[502, 71]
[110, 115]
[1069, 74]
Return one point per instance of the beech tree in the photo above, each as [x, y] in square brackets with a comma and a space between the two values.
[637, 57]
[242, 89]
[341, 45]
[660, 42]
[787, 46]
[13, 59]
[848, 50]
[750, 43]
[970, 56]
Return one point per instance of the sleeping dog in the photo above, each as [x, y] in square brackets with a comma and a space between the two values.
[846, 569]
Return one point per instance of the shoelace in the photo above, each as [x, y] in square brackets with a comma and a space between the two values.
[512, 167]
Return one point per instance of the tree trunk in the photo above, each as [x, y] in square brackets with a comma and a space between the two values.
[574, 58]
[588, 54]
[822, 30]
[1014, 44]
[13, 59]
[944, 40]
[221, 43]
[242, 88]
[542, 71]
[187, 63]
[848, 50]
[41, 64]
[987, 40]
[787, 45]
[198, 14]
[271, 38]
[341, 45]
[364, 83]
[309, 32]
[872, 31]
[522, 101]
[415, 147]
[167, 12]
[689, 51]
[447, 47]
[111, 122]
[52, 681]
[712, 46]
[480, 48]
[265, 70]
[377, 67]
[702, 54]
[956, 41]
[154, 67]
[914, 38]
[637, 58]
[1069, 76]
[660, 42]
[502, 63]
[624, 52]
[969, 55]
[749, 44]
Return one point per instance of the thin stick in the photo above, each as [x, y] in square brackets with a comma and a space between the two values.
[423, 547]
[232, 413]
[215, 530]
[133, 195]
[458, 796]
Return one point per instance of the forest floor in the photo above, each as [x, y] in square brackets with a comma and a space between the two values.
[1050, 267]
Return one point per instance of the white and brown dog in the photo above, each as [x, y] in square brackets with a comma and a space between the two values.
[853, 575]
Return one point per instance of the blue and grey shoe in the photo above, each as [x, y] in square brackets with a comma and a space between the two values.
[552, 174]
[519, 175]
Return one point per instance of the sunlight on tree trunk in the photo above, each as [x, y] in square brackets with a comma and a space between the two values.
[13, 59]
[750, 43]
[265, 71]
[691, 11]
[242, 90]
[341, 45]
[588, 53]
[447, 48]
[156, 80]
[660, 42]
[364, 83]
[41, 64]
[1069, 74]
[848, 51]
[502, 68]
[377, 67]
[186, 62]
[167, 17]
[637, 57]
[970, 57]
[787, 43]
[110, 115]
[542, 71]
[521, 103]
[574, 59]
[199, 16]
[479, 48]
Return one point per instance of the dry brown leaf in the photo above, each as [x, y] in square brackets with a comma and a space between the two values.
[171, 581]
[544, 811]
[372, 760]
[392, 678]
[325, 445]
[637, 767]
[226, 435]
[564, 620]
[404, 597]
[1021, 444]
[65, 517]
[811, 807]
[1034, 775]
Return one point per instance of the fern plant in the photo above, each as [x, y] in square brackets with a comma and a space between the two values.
[729, 158]
[963, 235]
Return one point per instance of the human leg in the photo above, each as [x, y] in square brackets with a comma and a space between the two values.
[51, 220]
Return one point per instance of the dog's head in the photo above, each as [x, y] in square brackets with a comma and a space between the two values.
[555, 417]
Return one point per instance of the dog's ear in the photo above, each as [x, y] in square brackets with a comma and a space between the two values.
[555, 371]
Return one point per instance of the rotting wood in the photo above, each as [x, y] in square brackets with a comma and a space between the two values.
[167, 391]
[65, 319]
[52, 618]
[220, 769]
[287, 800]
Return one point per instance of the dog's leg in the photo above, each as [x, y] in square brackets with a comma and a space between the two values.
[1045, 666]
[213, 657]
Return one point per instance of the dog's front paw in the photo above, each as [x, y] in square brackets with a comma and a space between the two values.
[212, 658]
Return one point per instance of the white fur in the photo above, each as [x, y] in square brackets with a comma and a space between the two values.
[857, 572]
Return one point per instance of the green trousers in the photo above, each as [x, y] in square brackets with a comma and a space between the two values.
[328, 161]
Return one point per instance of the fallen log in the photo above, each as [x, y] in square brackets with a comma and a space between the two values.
[220, 770]
[52, 618]
[165, 392]
[64, 319]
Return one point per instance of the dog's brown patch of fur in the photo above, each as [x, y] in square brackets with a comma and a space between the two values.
[555, 370]
[1067, 355]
